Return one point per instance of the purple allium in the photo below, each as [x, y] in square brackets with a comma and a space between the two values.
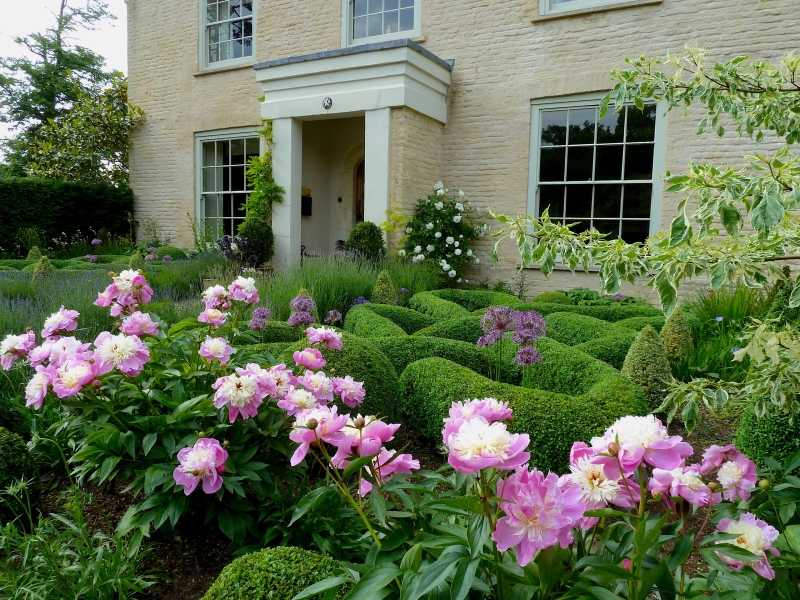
[618, 297]
[719, 319]
[259, 319]
[152, 249]
[166, 258]
[151, 257]
[526, 356]
[90, 258]
[303, 304]
[498, 318]
[301, 318]
[360, 300]
[333, 317]
[96, 242]
[490, 338]
[403, 290]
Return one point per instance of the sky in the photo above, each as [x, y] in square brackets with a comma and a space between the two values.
[23, 18]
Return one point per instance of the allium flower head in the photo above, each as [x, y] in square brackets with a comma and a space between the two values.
[327, 338]
[362, 300]
[526, 356]
[126, 353]
[258, 322]
[244, 289]
[166, 258]
[151, 249]
[303, 304]
[498, 318]
[139, 324]
[329, 425]
[90, 258]
[63, 321]
[16, 346]
[151, 257]
[204, 462]
[350, 391]
[333, 317]
[528, 326]
[489, 408]
[240, 393]
[300, 318]
[755, 536]
[216, 349]
[386, 464]
[618, 297]
[96, 242]
[477, 444]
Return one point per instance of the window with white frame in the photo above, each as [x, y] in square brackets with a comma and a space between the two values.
[228, 30]
[598, 172]
[550, 7]
[223, 186]
[380, 20]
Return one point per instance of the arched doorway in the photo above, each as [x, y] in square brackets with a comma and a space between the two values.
[358, 197]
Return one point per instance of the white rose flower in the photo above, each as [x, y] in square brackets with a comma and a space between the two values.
[469, 253]
[417, 249]
[459, 206]
[458, 252]
[460, 194]
[438, 186]
[437, 235]
[445, 267]
[477, 260]
[439, 205]
[418, 258]
[442, 262]
[440, 192]
[460, 237]
[452, 273]
[457, 219]
[458, 280]
[466, 281]
[401, 252]
[457, 244]
[409, 230]
[449, 240]
[429, 226]
[429, 248]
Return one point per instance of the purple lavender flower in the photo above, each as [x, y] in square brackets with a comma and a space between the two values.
[618, 297]
[360, 300]
[300, 318]
[259, 319]
[333, 317]
[526, 356]
[303, 304]
[151, 257]
[96, 242]
[497, 318]
[90, 258]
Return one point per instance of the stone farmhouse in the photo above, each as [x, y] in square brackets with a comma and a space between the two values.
[373, 101]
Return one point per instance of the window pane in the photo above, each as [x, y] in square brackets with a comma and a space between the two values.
[211, 205]
[237, 152]
[236, 49]
[610, 129]
[211, 13]
[252, 148]
[607, 226]
[375, 6]
[236, 29]
[637, 200]
[390, 22]
[641, 125]
[223, 10]
[635, 231]
[579, 201]
[608, 163]
[208, 179]
[581, 125]
[407, 19]
[227, 206]
[639, 161]
[248, 46]
[223, 153]
[554, 127]
[238, 205]
[606, 200]
[374, 23]
[360, 8]
[406, 3]
[551, 197]
[359, 28]
[391, 4]
[236, 10]
[219, 178]
[579, 163]
[208, 154]
[213, 34]
[552, 164]
[247, 8]
[224, 32]
[237, 179]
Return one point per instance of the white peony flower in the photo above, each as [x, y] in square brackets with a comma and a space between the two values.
[452, 273]
[461, 237]
[449, 240]
[439, 205]
[417, 249]
[730, 475]
[443, 262]
[458, 251]
[591, 479]
[477, 438]
[429, 248]
[457, 219]
[429, 226]
[409, 230]
[437, 235]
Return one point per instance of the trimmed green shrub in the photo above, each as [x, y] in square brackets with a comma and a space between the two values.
[44, 268]
[363, 362]
[639, 323]
[384, 292]
[430, 304]
[474, 300]
[553, 298]
[280, 331]
[409, 320]
[365, 323]
[572, 329]
[17, 464]
[553, 420]
[137, 262]
[611, 349]
[274, 348]
[676, 337]
[273, 574]
[172, 251]
[607, 312]
[260, 239]
[780, 305]
[17, 263]
[34, 253]
[647, 366]
[4, 268]
[366, 239]
[768, 437]
[467, 329]
[61, 206]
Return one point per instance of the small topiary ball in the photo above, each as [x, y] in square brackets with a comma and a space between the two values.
[260, 239]
[384, 292]
[647, 366]
[553, 297]
[773, 437]
[34, 253]
[17, 465]
[273, 574]
[366, 239]
[676, 337]
[137, 261]
[44, 268]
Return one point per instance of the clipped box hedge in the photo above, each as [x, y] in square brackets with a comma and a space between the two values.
[435, 307]
[466, 329]
[639, 323]
[409, 320]
[608, 312]
[366, 323]
[571, 329]
[280, 331]
[773, 437]
[610, 349]
[473, 300]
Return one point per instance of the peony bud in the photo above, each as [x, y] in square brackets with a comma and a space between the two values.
[713, 486]
[221, 469]
[613, 449]
[202, 434]
[312, 424]
[360, 423]
[333, 371]
[96, 383]
[764, 484]
[226, 444]
[657, 496]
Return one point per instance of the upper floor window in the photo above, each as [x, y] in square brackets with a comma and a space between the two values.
[379, 20]
[228, 30]
[551, 7]
[598, 172]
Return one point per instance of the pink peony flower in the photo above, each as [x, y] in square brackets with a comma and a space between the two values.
[297, 400]
[38, 386]
[244, 290]
[318, 384]
[755, 536]
[128, 290]
[273, 382]
[14, 347]
[736, 477]
[683, 482]
[139, 324]
[56, 351]
[63, 321]
[350, 391]
[71, 376]
[538, 514]
[329, 338]
[216, 297]
[240, 393]
[488, 408]
[205, 461]
[640, 439]
[126, 353]
[476, 444]
[216, 348]
[106, 297]
[386, 464]
[363, 436]
[310, 358]
[213, 317]
[322, 423]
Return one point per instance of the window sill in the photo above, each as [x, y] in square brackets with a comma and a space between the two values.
[595, 9]
[235, 67]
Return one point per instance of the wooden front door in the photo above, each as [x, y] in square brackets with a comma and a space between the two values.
[359, 195]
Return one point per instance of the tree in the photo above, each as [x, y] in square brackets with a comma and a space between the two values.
[36, 90]
[89, 143]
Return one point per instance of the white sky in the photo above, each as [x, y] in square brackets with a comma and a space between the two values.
[23, 18]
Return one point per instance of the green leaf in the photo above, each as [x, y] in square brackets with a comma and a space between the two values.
[767, 211]
[375, 583]
[439, 571]
[308, 502]
[681, 551]
[321, 586]
[794, 299]
[107, 468]
[462, 580]
[678, 231]
[735, 552]
[356, 465]
[412, 559]
[478, 531]
[148, 442]
[731, 218]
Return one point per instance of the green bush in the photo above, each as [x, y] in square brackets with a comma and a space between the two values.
[44, 268]
[61, 206]
[611, 349]
[473, 300]
[430, 304]
[16, 464]
[365, 323]
[466, 329]
[608, 312]
[172, 251]
[409, 320]
[639, 323]
[363, 362]
[553, 298]
[676, 337]
[366, 239]
[384, 292]
[553, 420]
[34, 253]
[647, 366]
[273, 574]
[572, 329]
[779, 309]
[274, 348]
[17, 263]
[260, 239]
[137, 262]
[279, 331]
[768, 437]
[4, 268]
